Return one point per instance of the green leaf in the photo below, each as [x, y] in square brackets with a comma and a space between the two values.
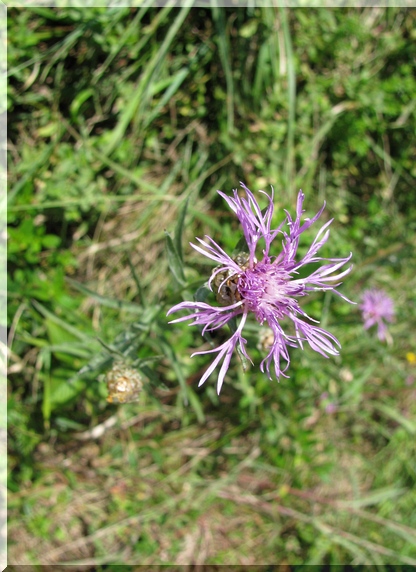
[81, 98]
[171, 355]
[174, 261]
[410, 426]
[97, 364]
[74, 349]
[202, 293]
[196, 405]
[64, 424]
[57, 334]
[154, 380]
[74, 332]
[136, 280]
[179, 229]
[176, 82]
[51, 241]
[45, 363]
[62, 392]
[241, 246]
[137, 105]
[105, 301]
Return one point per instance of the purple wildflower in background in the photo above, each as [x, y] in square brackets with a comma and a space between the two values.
[268, 287]
[376, 306]
[330, 406]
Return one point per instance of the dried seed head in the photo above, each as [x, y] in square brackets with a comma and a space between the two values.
[124, 384]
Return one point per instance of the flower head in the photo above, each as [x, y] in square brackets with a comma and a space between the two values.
[376, 306]
[266, 285]
[124, 383]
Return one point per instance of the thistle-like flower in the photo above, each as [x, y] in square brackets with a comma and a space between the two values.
[377, 306]
[267, 286]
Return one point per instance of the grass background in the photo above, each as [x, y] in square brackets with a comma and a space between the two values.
[118, 116]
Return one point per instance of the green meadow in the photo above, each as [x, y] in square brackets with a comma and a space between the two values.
[122, 125]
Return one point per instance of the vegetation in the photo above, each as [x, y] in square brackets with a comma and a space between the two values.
[123, 123]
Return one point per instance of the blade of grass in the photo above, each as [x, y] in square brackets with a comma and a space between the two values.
[291, 94]
[136, 280]
[226, 60]
[54, 318]
[74, 349]
[105, 301]
[170, 353]
[174, 261]
[179, 229]
[360, 556]
[139, 101]
[52, 53]
[373, 498]
[260, 73]
[44, 362]
[407, 533]
[319, 524]
[131, 29]
[126, 342]
[105, 199]
[271, 65]
[67, 44]
[396, 416]
[306, 173]
[196, 405]
[175, 83]
[28, 176]
[380, 152]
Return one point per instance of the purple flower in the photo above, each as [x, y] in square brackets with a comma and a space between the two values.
[268, 287]
[376, 306]
[331, 408]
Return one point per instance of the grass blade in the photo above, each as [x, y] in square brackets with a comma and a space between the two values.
[105, 301]
[373, 498]
[226, 60]
[410, 426]
[174, 261]
[177, 81]
[64, 325]
[291, 94]
[179, 229]
[136, 106]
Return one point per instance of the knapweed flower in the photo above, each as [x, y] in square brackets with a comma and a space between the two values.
[376, 306]
[265, 285]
